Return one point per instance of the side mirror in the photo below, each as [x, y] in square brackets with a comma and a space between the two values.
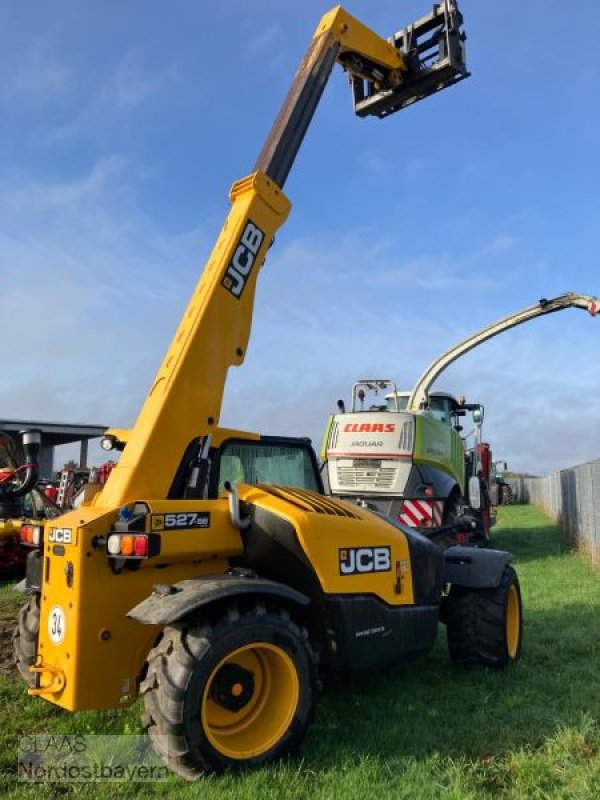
[478, 415]
[474, 493]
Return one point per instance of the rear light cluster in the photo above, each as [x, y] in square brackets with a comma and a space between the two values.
[128, 545]
[31, 535]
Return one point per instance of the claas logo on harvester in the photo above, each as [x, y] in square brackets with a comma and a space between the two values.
[369, 427]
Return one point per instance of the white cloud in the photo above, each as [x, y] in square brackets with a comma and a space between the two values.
[265, 39]
[32, 197]
[36, 74]
[130, 86]
[133, 84]
[94, 290]
[500, 244]
[324, 319]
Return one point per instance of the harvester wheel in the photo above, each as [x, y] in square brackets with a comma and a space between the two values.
[507, 495]
[232, 694]
[25, 638]
[484, 626]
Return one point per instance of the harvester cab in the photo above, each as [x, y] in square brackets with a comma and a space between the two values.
[210, 574]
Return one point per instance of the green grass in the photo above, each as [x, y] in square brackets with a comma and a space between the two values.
[424, 730]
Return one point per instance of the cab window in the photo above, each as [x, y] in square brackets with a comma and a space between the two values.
[271, 463]
[440, 409]
[402, 403]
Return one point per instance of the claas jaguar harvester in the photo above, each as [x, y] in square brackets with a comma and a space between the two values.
[211, 575]
[406, 457]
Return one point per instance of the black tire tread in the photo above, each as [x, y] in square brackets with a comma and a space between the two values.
[25, 638]
[169, 671]
[476, 625]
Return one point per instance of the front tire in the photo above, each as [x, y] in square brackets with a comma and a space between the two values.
[485, 626]
[232, 694]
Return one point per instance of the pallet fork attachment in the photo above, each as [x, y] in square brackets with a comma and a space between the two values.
[433, 48]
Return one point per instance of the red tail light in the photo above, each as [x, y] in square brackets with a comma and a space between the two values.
[140, 545]
[31, 535]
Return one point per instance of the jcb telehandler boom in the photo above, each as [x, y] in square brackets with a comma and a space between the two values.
[213, 606]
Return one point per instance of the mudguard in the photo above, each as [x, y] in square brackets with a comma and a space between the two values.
[475, 567]
[171, 603]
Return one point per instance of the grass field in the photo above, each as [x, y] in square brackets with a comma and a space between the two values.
[420, 731]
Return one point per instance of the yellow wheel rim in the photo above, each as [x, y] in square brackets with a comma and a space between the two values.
[513, 621]
[250, 700]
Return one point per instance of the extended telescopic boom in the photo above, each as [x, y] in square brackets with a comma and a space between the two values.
[184, 403]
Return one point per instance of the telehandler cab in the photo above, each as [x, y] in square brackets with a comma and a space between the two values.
[211, 574]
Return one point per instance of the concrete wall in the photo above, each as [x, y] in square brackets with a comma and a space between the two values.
[572, 498]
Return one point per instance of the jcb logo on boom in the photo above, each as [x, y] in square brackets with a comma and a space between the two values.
[61, 535]
[359, 560]
[244, 256]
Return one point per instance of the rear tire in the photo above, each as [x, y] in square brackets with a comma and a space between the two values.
[25, 638]
[232, 694]
[484, 626]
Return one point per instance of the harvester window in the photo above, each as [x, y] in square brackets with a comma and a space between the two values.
[272, 463]
[439, 409]
[402, 403]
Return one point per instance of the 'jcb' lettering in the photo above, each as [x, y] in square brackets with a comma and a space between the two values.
[359, 560]
[61, 535]
[243, 260]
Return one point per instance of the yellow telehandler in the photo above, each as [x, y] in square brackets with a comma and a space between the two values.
[211, 574]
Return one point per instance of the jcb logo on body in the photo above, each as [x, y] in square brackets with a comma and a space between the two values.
[360, 560]
[61, 535]
[243, 259]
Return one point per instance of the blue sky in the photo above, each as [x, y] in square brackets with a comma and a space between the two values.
[122, 126]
